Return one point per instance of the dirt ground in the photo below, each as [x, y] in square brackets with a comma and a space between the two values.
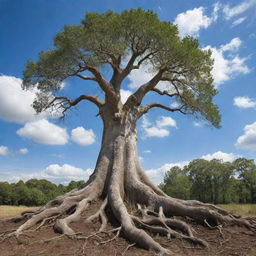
[230, 241]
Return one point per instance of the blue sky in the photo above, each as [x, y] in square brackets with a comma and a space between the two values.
[44, 147]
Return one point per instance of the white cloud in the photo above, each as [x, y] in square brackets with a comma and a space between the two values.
[225, 157]
[147, 151]
[44, 132]
[156, 132]
[216, 8]
[23, 151]
[165, 121]
[244, 102]
[82, 136]
[248, 139]
[157, 175]
[16, 103]
[159, 128]
[191, 21]
[231, 12]
[54, 172]
[125, 95]
[4, 151]
[175, 104]
[238, 21]
[197, 124]
[226, 67]
[232, 46]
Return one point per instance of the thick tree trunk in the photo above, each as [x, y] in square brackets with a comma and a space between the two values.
[118, 178]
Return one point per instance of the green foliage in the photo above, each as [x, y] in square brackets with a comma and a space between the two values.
[33, 192]
[106, 39]
[213, 181]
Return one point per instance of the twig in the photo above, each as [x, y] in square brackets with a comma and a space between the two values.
[127, 248]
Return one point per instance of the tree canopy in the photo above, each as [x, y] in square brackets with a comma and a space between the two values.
[125, 42]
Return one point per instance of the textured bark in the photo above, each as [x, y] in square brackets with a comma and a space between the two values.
[119, 178]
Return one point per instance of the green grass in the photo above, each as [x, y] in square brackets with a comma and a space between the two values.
[241, 209]
[10, 211]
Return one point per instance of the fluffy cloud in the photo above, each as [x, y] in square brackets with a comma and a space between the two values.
[54, 172]
[166, 121]
[231, 12]
[82, 136]
[157, 175]
[248, 139]
[244, 102]
[226, 67]
[4, 151]
[159, 129]
[225, 157]
[191, 21]
[125, 95]
[44, 132]
[23, 151]
[15, 103]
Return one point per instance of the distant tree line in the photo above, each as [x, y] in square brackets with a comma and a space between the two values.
[33, 192]
[213, 181]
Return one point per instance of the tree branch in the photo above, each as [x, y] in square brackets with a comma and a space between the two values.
[164, 92]
[136, 98]
[65, 103]
[144, 109]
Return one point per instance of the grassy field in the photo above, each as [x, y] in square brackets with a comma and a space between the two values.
[9, 211]
[241, 209]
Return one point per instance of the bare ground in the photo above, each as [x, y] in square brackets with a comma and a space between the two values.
[227, 241]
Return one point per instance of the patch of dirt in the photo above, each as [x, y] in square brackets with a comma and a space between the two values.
[233, 241]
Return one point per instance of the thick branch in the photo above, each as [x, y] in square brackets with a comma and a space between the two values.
[144, 109]
[165, 92]
[136, 98]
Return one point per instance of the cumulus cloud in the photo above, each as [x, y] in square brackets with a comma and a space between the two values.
[225, 157]
[54, 172]
[191, 21]
[82, 136]
[16, 104]
[4, 151]
[157, 175]
[231, 12]
[166, 121]
[248, 139]
[244, 102]
[227, 65]
[44, 132]
[238, 21]
[160, 128]
[23, 151]
[125, 95]
[147, 151]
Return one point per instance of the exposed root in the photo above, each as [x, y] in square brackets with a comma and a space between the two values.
[100, 213]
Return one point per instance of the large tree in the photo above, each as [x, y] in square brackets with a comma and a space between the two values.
[123, 43]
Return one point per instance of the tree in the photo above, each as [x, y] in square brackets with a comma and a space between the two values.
[176, 183]
[247, 173]
[106, 41]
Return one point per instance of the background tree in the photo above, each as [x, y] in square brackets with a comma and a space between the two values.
[105, 41]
